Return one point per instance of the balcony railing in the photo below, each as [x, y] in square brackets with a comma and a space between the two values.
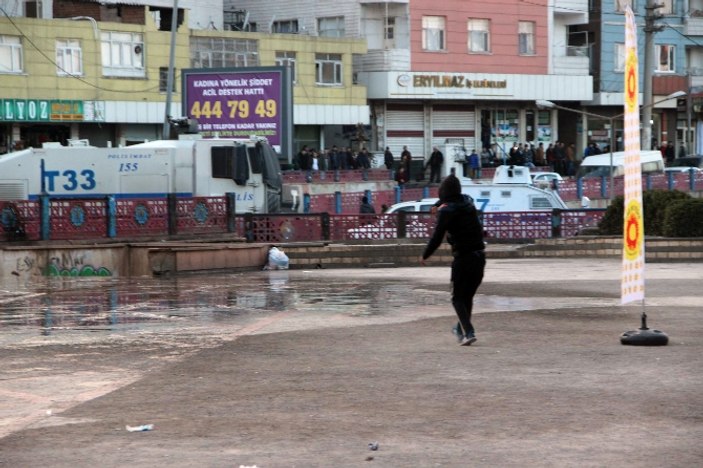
[383, 60]
[694, 24]
[571, 65]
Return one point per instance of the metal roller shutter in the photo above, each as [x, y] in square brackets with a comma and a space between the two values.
[451, 125]
[406, 127]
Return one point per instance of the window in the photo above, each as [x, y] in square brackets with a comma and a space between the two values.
[285, 27]
[479, 35]
[331, 27]
[69, 57]
[10, 54]
[122, 54]
[526, 37]
[163, 80]
[667, 8]
[619, 57]
[621, 4]
[665, 58]
[33, 9]
[328, 69]
[433, 33]
[286, 59]
[389, 28]
[216, 52]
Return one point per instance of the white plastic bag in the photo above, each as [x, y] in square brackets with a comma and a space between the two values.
[278, 260]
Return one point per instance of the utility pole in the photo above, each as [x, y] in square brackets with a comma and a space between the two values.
[650, 28]
[169, 79]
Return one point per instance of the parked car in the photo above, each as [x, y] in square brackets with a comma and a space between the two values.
[385, 226]
[687, 161]
[683, 169]
[549, 176]
[546, 179]
[424, 205]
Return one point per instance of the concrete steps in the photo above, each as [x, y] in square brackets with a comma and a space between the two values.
[321, 255]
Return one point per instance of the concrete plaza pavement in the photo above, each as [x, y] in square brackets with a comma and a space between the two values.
[547, 384]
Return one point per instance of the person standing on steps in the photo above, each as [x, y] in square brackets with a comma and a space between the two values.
[458, 219]
[405, 161]
[435, 164]
[388, 158]
[366, 207]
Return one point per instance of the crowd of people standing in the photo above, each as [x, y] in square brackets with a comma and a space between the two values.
[342, 158]
[332, 159]
[559, 157]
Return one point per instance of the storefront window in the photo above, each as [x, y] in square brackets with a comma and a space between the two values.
[507, 125]
[544, 126]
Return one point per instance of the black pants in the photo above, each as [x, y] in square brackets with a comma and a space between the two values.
[467, 274]
[434, 174]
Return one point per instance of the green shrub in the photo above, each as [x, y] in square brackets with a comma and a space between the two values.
[656, 203]
[613, 219]
[654, 206]
[684, 218]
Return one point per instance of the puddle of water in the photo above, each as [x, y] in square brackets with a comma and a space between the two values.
[117, 306]
[120, 305]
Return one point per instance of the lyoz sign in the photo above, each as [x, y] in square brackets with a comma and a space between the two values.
[241, 103]
[51, 110]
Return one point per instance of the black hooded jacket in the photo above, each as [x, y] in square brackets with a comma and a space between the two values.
[459, 219]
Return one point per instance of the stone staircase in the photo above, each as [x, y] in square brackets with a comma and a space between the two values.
[397, 254]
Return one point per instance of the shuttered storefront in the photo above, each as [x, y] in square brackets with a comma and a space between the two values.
[454, 124]
[405, 126]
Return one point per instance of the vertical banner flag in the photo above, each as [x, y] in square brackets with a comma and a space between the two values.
[632, 284]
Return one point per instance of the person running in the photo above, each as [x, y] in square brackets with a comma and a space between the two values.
[457, 217]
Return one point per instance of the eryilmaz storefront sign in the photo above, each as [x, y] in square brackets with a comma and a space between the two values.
[240, 102]
[455, 81]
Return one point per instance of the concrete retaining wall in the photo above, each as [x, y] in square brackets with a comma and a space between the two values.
[146, 259]
[119, 260]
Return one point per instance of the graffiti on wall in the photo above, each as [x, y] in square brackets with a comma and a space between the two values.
[65, 264]
[72, 264]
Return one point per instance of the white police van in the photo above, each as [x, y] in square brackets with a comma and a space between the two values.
[189, 167]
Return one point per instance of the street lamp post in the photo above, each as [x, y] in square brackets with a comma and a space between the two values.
[611, 119]
[544, 104]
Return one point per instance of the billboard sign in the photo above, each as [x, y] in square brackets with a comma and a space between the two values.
[240, 102]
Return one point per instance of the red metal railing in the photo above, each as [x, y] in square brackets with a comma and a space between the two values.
[78, 219]
[201, 214]
[142, 217]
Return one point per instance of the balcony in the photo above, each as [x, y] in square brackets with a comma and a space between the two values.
[693, 26]
[575, 10]
[696, 74]
[575, 61]
[383, 60]
[663, 85]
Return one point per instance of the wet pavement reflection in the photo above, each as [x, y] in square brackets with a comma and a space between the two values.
[215, 305]
[54, 306]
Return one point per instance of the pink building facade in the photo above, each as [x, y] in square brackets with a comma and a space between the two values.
[456, 74]
[502, 18]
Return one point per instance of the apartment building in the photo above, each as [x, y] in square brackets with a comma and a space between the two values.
[678, 53]
[97, 70]
[451, 71]
[202, 14]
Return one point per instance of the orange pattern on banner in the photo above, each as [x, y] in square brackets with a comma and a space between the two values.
[631, 85]
[633, 258]
[634, 230]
